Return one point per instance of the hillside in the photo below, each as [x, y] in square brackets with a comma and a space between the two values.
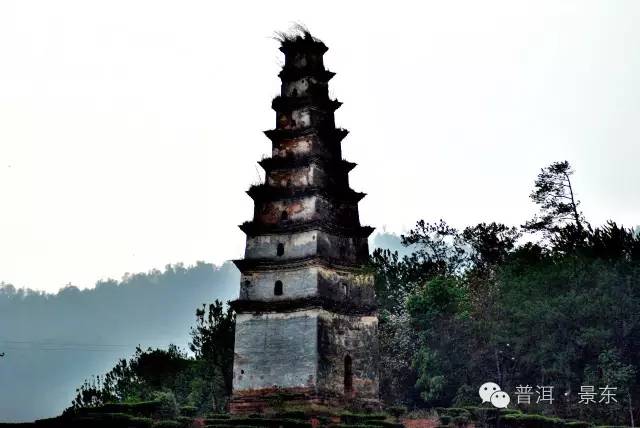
[53, 342]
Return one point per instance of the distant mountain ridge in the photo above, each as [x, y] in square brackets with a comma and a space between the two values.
[53, 342]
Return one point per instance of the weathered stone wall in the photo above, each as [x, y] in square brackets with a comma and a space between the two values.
[296, 283]
[349, 287]
[340, 286]
[303, 118]
[275, 349]
[311, 175]
[296, 245]
[299, 209]
[345, 248]
[304, 87]
[343, 213]
[279, 349]
[307, 244]
[305, 145]
[293, 147]
[307, 208]
[340, 336]
[311, 60]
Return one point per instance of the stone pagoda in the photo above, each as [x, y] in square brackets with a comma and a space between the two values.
[306, 326]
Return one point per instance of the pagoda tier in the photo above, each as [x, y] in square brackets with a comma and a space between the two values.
[307, 305]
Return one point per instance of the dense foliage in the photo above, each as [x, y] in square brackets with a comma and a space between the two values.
[201, 382]
[486, 304]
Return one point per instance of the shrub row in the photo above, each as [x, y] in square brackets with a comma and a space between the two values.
[361, 418]
[509, 418]
[538, 421]
[257, 422]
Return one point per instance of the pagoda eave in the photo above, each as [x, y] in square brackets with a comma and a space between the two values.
[261, 265]
[292, 305]
[332, 134]
[263, 192]
[252, 228]
[274, 163]
[288, 74]
[302, 44]
[280, 103]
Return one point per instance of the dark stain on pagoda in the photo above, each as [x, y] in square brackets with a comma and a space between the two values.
[306, 319]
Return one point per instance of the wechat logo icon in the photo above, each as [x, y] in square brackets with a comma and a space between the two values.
[491, 393]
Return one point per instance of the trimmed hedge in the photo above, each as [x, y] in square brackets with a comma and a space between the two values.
[141, 422]
[216, 416]
[361, 418]
[144, 408]
[355, 426]
[167, 424]
[293, 414]
[234, 426]
[538, 421]
[216, 421]
[188, 410]
[185, 421]
[384, 424]
[257, 422]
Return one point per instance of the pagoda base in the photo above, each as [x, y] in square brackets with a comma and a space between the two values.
[274, 400]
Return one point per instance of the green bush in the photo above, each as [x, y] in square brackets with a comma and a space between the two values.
[460, 420]
[188, 410]
[168, 405]
[217, 416]
[115, 420]
[360, 418]
[482, 414]
[185, 421]
[137, 422]
[294, 414]
[578, 424]
[531, 421]
[397, 411]
[232, 426]
[216, 421]
[287, 423]
[144, 408]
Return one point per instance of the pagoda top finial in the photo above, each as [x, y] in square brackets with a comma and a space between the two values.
[299, 39]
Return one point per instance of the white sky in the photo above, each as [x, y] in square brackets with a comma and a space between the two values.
[129, 130]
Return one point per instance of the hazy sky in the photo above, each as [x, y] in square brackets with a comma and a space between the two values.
[130, 130]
